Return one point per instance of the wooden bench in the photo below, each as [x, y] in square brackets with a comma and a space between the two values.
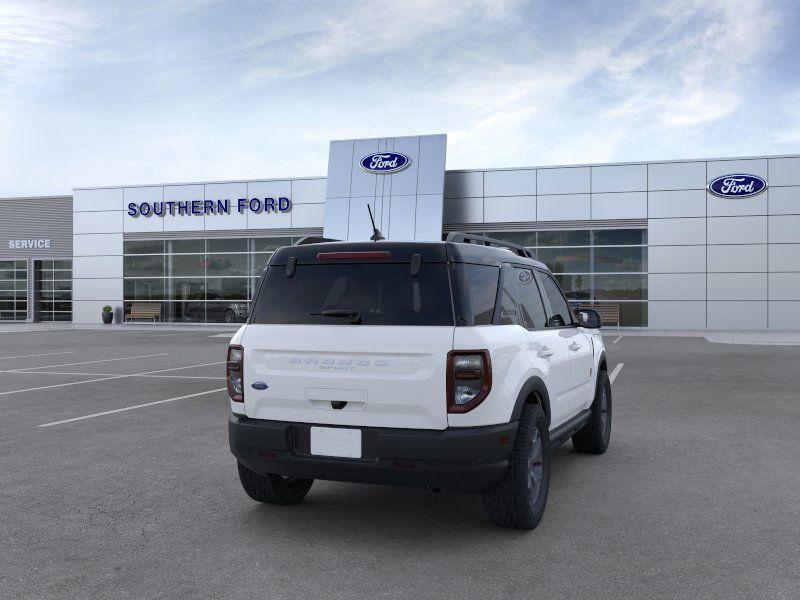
[144, 310]
[609, 313]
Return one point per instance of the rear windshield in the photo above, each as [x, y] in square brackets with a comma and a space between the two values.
[382, 294]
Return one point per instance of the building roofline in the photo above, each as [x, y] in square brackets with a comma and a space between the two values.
[56, 197]
[626, 163]
[141, 185]
[492, 169]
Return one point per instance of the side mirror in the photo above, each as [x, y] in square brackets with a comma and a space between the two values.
[589, 318]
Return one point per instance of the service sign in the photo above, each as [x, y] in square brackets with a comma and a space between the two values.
[28, 244]
[737, 186]
[385, 163]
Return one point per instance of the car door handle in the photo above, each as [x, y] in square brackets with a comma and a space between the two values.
[545, 352]
[574, 346]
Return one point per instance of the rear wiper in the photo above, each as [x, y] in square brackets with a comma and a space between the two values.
[352, 314]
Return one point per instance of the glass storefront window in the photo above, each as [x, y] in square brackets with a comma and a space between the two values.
[579, 237]
[228, 288]
[620, 287]
[187, 265]
[270, 244]
[620, 260]
[576, 287]
[521, 238]
[600, 265]
[143, 247]
[186, 246]
[565, 260]
[205, 280]
[143, 266]
[234, 245]
[620, 237]
[226, 264]
[144, 289]
[185, 289]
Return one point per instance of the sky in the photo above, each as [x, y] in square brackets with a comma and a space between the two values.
[112, 92]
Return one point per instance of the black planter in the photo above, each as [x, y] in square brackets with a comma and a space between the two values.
[108, 317]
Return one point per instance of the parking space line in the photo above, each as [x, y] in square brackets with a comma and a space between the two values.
[34, 355]
[113, 374]
[86, 362]
[118, 410]
[615, 372]
[47, 387]
[616, 340]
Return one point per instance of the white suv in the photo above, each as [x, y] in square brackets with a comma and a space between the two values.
[455, 365]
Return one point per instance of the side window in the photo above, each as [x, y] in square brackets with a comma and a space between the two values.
[483, 291]
[561, 315]
[530, 301]
[508, 297]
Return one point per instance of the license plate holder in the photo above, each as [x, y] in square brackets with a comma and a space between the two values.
[341, 442]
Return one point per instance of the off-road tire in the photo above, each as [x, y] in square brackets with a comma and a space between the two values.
[273, 489]
[230, 317]
[517, 501]
[595, 435]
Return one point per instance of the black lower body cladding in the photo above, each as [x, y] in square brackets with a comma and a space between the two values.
[469, 459]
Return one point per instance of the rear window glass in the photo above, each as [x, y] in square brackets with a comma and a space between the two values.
[382, 294]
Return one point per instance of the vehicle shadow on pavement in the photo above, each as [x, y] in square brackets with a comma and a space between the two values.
[364, 512]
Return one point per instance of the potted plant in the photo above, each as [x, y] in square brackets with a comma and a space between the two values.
[108, 315]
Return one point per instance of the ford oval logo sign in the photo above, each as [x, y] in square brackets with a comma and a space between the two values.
[737, 186]
[384, 163]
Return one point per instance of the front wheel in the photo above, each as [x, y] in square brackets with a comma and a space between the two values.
[273, 489]
[518, 500]
[595, 435]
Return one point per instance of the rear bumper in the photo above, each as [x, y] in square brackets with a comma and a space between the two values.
[467, 459]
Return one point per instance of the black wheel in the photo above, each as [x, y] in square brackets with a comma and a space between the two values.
[518, 500]
[595, 435]
[273, 489]
[229, 316]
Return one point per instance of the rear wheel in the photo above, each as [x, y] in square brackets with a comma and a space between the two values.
[519, 499]
[595, 435]
[229, 316]
[273, 489]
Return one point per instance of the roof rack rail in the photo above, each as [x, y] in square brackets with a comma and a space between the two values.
[481, 240]
[312, 239]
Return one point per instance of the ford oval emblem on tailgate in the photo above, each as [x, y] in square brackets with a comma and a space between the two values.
[259, 385]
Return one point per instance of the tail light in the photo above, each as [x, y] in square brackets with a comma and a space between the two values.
[469, 379]
[234, 373]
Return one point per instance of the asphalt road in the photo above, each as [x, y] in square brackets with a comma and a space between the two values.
[697, 496]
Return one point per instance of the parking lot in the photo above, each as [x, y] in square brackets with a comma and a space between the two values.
[116, 481]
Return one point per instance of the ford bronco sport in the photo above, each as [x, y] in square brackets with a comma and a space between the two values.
[451, 365]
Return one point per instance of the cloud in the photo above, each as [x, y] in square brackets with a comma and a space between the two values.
[35, 38]
[660, 68]
[350, 32]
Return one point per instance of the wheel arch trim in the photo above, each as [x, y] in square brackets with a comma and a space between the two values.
[534, 385]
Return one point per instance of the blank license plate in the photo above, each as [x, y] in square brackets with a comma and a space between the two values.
[336, 441]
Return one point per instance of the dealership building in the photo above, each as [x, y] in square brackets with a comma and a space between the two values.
[682, 244]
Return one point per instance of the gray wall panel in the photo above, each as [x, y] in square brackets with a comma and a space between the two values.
[621, 178]
[784, 171]
[36, 219]
[676, 176]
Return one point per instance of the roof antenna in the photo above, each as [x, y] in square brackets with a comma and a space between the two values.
[376, 235]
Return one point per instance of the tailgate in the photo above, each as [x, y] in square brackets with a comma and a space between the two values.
[341, 375]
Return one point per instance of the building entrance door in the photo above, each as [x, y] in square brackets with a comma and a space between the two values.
[52, 290]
